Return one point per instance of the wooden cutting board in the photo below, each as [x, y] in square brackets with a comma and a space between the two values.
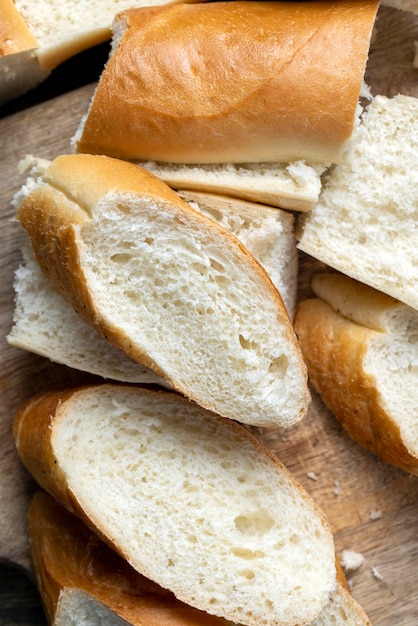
[372, 507]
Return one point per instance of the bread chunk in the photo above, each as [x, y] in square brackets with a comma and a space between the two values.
[361, 348]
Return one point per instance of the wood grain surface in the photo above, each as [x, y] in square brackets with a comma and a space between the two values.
[372, 507]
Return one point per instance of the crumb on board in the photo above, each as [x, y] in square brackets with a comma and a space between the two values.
[351, 560]
[337, 487]
[375, 515]
[312, 476]
[376, 573]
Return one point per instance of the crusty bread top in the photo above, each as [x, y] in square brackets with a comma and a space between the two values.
[167, 285]
[231, 82]
[192, 501]
[67, 555]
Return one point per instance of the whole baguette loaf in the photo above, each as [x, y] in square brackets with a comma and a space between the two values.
[361, 348]
[283, 85]
[80, 577]
[191, 500]
[167, 285]
[36, 37]
[364, 224]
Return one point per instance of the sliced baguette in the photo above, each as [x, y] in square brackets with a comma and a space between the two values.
[79, 577]
[191, 500]
[361, 348]
[273, 92]
[167, 285]
[364, 224]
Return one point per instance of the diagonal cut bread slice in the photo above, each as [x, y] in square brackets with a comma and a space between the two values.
[191, 500]
[361, 348]
[80, 577]
[167, 285]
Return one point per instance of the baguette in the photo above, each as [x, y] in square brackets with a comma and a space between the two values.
[36, 37]
[191, 500]
[361, 348]
[273, 92]
[167, 285]
[364, 224]
[75, 573]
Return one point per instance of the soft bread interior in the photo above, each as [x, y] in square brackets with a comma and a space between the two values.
[194, 504]
[368, 208]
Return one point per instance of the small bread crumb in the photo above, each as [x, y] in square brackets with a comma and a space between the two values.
[337, 487]
[376, 573]
[375, 515]
[312, 475]
[351, 560]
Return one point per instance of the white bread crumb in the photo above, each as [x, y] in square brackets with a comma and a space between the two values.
[351, 560]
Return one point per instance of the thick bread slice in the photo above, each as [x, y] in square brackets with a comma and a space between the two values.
[364, 224]
[283, 85]
[80, 578]
[167, 285]
[294, 186]
[361, 348]
[191, 500]
[35, 37]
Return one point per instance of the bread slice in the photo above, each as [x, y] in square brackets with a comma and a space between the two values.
[364, 224]
[167, 285]
[46, 324]
[361, 348]
[37, 36]
[273, 92]
[191, 500]
[75, 573]
[294, 186]
[80, 578]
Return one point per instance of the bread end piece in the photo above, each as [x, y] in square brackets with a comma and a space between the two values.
[361, 350]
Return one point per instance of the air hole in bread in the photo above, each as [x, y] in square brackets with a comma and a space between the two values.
[247, 554]
[255, 523]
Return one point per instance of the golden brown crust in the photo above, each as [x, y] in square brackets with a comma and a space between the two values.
[284, 82]
[67, 555]
[334, 349]
[15, 35]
